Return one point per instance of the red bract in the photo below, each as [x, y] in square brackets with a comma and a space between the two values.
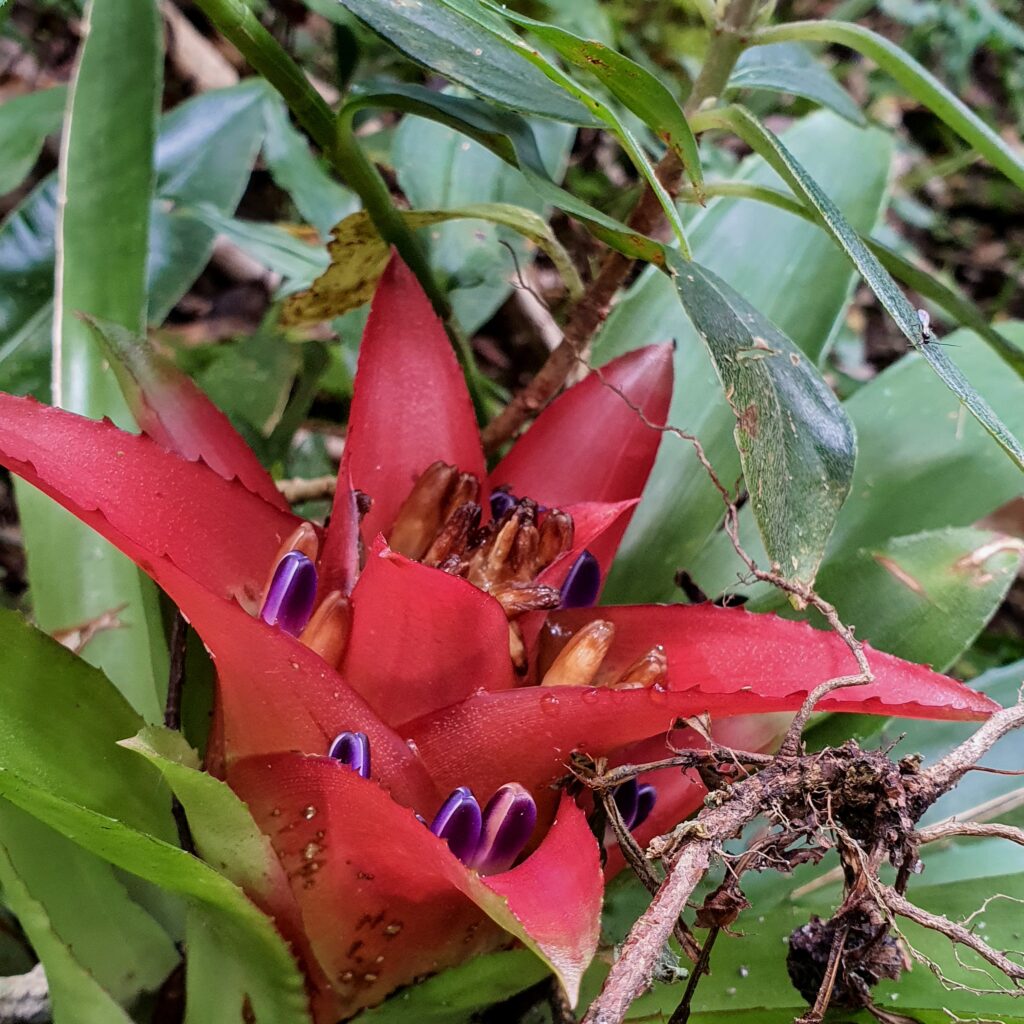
[447, 658]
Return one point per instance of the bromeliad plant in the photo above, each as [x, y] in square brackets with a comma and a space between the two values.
[400, 692]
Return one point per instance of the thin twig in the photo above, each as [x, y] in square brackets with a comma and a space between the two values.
[298, 489]
[955, 829]
[681, 1014]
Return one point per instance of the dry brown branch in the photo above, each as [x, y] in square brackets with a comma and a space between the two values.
[955, 932]
[859, 802]
[954, 829]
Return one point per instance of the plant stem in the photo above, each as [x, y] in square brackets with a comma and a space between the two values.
[236, 22]
[587, 315]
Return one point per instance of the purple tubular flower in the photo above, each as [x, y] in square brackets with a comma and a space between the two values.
[508, 822]
[459, 823]
[501, 502]
[646, 798]
[626, 797]
[291, 594]
[583, 583]
[352, 749]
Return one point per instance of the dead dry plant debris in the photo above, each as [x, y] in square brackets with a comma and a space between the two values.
[864, 804]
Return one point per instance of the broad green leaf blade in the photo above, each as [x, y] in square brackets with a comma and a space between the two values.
[913, 438]
[75, 995]
[786, 268]
[916, 80]
[25, 121]
[432, 33]
[923, 597]
[511, 138]
[630, 83]
[788, 67]
[359, 255]
[204, 154]
[795, 443]
[275, 987]
[472, 257]
[875, 275]
[83, 719]
[294, 168]
[112, 936]
[458, 995]
[107, 181]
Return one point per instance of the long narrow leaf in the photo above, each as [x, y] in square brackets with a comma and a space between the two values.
[631, 84]
[917, 80]
[102, 238]
[764, 142]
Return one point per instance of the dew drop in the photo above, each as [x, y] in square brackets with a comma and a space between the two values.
[658, 694]
[549, 702]
[744, 971]
[370, 978]
[411, 744]
[394, 928]
[379, 959]
[309, 813]
[347, 976]
[590, 695]
[276, 812]
[311, 850]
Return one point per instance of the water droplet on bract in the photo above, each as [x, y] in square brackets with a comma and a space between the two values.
[394, 928]
[309, 813]
[590, 695]
[346, 977]
[370, 978]
[311, 850]
[411, 744]
[276, 812]
[658, 694]
[549, 702]
[379, 959]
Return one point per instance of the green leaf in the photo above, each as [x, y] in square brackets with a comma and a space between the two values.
[107, 179]
[472, 255]
[449, 42]
[788, 67]
[925, 597]
[913, 438]
[294, 168]
[947, 297]
[83, 719]
[796, 445]
[789, 270]
[112, 936]
[630, 83]
[915, 79]
[875, 275]
[275, 247]
[223, 829]
[274, 985]
[456, 996]
[204, 154]
[75, 995]
[490, 16]
[359, 255]
[25, 122]
[511, 138]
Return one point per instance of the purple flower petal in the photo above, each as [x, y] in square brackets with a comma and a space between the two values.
[501, 502]
[646, 798]
[583, 583]
[459, 822]
[508, 822]
[626, 799]
[352, 749]
[291, 594]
